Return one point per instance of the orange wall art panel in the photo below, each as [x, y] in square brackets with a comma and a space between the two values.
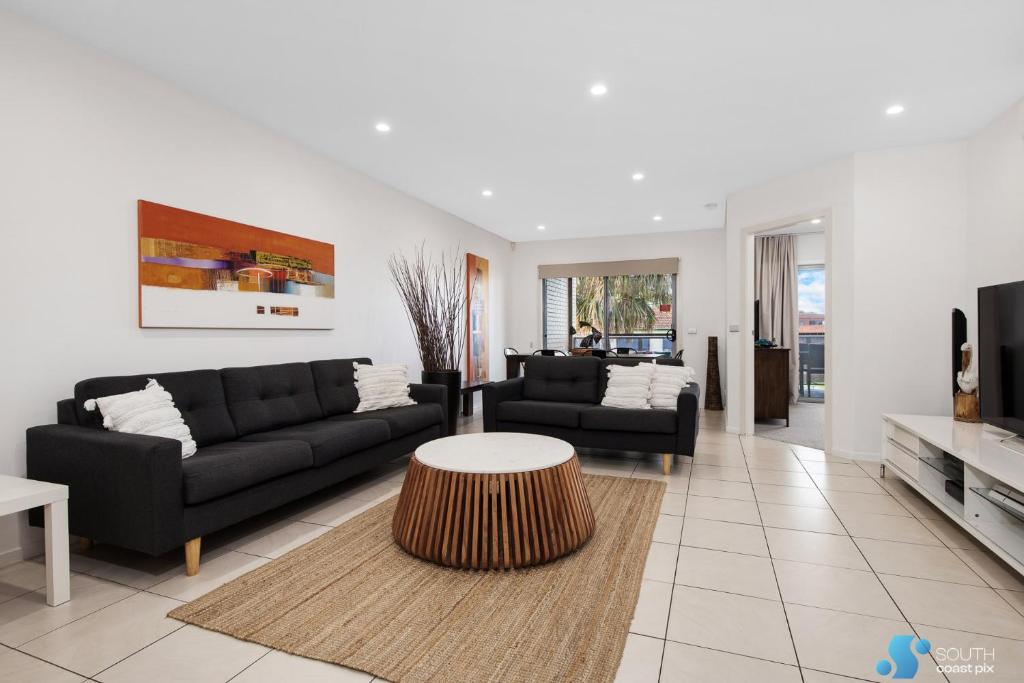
[477, 300]
[200, 271]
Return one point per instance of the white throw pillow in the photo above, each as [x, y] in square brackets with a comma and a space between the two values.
[628, 386]
[382, 386]
[666, 384]
[150, 411]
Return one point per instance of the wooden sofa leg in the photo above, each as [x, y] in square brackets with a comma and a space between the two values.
[85, 544]
[192, 556]
[666, 463]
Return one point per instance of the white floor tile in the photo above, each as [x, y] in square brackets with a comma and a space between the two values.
[276, 667]
[212, 574]
[888, 528]
[27, 617]
[661, 562]
[103, 638]
[815, 548]
[919, 561]
[991, 569]
[723, 510]
[847, 590]
[846, 644]
[650, 618]
[821, 520]
[729, 572]
[20, 578]
[18, 667]
[734, 538]
[668, 529]
[190, 654]
[732, 623]
[688, 664]
[641, 660]
[955, 606]
[780, 477]
[716, 488]
[278, 539]
[673, 504]
[720, 473]
[789, 495]
[855, 501]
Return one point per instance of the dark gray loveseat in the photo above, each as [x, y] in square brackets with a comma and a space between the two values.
[561, 397]
[267, 435]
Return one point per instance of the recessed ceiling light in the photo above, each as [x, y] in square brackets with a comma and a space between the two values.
[656, 218]
[383, 127]
[488, 193]
[598, 89]
[541, 227]
[638, 176]
[815, 221]
[711, 206]
[895, 110]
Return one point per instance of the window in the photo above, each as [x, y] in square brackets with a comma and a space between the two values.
[634, 311]
[811, 294]
[556, 313]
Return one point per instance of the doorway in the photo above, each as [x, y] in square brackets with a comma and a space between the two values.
[799, 350]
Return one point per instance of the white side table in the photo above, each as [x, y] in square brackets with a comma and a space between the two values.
[17, 494]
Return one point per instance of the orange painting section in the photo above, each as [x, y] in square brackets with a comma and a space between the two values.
[166, 222]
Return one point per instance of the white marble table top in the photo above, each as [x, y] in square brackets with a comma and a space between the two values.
[494, 452]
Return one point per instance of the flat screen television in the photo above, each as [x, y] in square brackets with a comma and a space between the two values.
[1001, 355]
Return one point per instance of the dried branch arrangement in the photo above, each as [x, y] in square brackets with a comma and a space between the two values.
[434, 295]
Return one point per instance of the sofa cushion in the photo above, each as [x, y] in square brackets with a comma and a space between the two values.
[269, 397]
[553, 378]
[403, 420]
[329, 440]
[231, 466]
[604, 418]
[542, 412]
[197, 394]
[626, 360]
[335, 384]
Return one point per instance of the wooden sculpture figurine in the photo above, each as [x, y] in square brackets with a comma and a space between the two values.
[965, 402]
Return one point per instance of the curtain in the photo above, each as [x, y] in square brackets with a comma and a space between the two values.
[775, 286]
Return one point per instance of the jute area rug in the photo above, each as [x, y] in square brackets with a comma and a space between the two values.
[353, 597]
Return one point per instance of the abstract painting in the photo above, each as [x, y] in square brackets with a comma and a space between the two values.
[477, 293]
[200, 271]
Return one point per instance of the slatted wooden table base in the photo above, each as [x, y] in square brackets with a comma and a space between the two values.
[493, 521]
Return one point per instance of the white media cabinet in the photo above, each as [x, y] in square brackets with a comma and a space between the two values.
[928, 451]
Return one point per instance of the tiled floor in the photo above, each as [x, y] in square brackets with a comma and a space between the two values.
[769, 563]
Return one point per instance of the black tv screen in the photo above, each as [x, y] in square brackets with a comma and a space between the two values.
[1001, 355]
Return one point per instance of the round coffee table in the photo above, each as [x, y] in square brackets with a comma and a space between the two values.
[493, 501]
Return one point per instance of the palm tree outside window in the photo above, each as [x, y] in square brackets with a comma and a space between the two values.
[634, 311]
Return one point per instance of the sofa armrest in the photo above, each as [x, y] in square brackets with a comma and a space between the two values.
[432, 393]
[498, 392]
[124, 489]
[688, 414]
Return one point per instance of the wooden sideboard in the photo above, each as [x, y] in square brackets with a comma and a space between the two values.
[771, 384]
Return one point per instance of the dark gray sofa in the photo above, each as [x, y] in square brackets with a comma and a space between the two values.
[266, 436]
[561, 397]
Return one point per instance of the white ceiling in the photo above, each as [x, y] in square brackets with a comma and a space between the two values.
[704, 97]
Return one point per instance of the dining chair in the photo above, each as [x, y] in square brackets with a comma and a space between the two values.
[550, 352]
[624, 350]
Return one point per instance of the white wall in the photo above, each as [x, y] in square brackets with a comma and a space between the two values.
[915, 231]
[994, 246]
[827, 191]
[700, 299]
[810, 249]
[83, 137]
[911, 212]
